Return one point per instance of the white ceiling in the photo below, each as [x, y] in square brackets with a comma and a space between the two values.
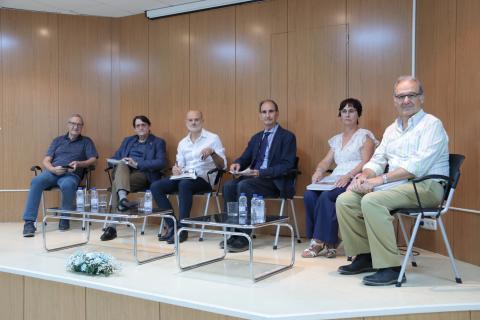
[106, 8]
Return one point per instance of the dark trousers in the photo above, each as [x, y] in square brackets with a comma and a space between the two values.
[321, 216]
[185, 188]
[249, 185]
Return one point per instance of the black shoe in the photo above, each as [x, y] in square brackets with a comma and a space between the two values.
[240, 244]
[125, 205]
[109, 234]
[361, 263]
[229, 242]
[183, 238]
[29, 229]
[167, 235]
[63, 225]
[384, 277]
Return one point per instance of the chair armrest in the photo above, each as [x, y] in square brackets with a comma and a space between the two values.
[430, 176]
[36, 169]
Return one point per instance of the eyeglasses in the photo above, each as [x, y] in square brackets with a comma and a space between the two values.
[410, 96]
[75, 124]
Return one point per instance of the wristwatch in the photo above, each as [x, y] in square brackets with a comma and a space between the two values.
[385, 179]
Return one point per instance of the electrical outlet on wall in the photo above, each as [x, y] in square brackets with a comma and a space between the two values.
[429, 224]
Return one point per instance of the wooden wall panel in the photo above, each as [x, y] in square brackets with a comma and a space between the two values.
[212, 70]
[260, 64]
[427, 316]
[133, 67]
[30, 99]
[168, 64]
[47, 300]
[171, 312]
[475, 315]
[466, 236]
[435, 61]
[11, 291]
[312, 14]
[109, 306]
[317, 63]
[379, 52]
[467, 113]
[85, 83]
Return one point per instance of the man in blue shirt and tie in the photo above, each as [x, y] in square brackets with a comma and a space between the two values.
[269, 155]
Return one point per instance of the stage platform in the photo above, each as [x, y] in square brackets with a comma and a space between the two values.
[311, 290]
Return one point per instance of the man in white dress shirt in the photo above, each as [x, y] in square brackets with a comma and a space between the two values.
[415, 145]
[200, 151]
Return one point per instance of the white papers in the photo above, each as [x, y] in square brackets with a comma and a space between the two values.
[389, 185]
[327, 183]
[185, 175]
[320, 186]
[113, 162]
[246, 172]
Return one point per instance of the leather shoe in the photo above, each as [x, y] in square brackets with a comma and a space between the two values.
[384, 277]
[125, 205]
[63, 225]
[167, 235]
[110, 233]
[229, 242]
[361, 263]
[183, 237]
[29, 229]
[240, 244]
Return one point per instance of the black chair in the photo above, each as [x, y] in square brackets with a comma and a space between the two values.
[419, 213]
[216, 187]
[284, 197]
[85, 183]
[109, 170]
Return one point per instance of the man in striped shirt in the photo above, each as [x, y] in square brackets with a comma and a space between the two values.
[415, 145]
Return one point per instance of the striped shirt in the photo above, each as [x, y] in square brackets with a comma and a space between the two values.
[421, 148]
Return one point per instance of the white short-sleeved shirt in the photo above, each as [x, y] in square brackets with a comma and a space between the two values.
[189, 157]
[350, 155]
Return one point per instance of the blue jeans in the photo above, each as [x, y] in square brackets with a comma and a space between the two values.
[67, 183]
[321, 216]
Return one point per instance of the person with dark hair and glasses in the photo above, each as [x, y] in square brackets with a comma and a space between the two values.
[65, 163]
[142, 156]
[349, 151]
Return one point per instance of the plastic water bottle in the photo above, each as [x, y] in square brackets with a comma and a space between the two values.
[242, 205]
[80, 201]
[253, 207]
[260, 210]
[147, 201]
[94, 198]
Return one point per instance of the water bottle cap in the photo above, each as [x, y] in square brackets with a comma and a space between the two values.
[80, 188]
[260, 197]
[148, 190]
[93, 188]
[242, 194]
[255, 195]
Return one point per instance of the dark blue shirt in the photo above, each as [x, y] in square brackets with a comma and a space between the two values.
[137, 152]
[63, 151]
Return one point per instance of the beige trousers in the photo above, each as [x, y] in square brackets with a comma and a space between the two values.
[125, 178]
[366, 224]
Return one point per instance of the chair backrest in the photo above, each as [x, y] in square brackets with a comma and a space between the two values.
[455, 161]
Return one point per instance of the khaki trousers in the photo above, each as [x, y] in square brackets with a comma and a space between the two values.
[366, 225]
[125, 178]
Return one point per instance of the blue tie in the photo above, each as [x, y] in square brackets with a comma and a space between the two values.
[261, 151]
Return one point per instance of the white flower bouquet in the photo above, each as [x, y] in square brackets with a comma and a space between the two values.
[92, 263]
